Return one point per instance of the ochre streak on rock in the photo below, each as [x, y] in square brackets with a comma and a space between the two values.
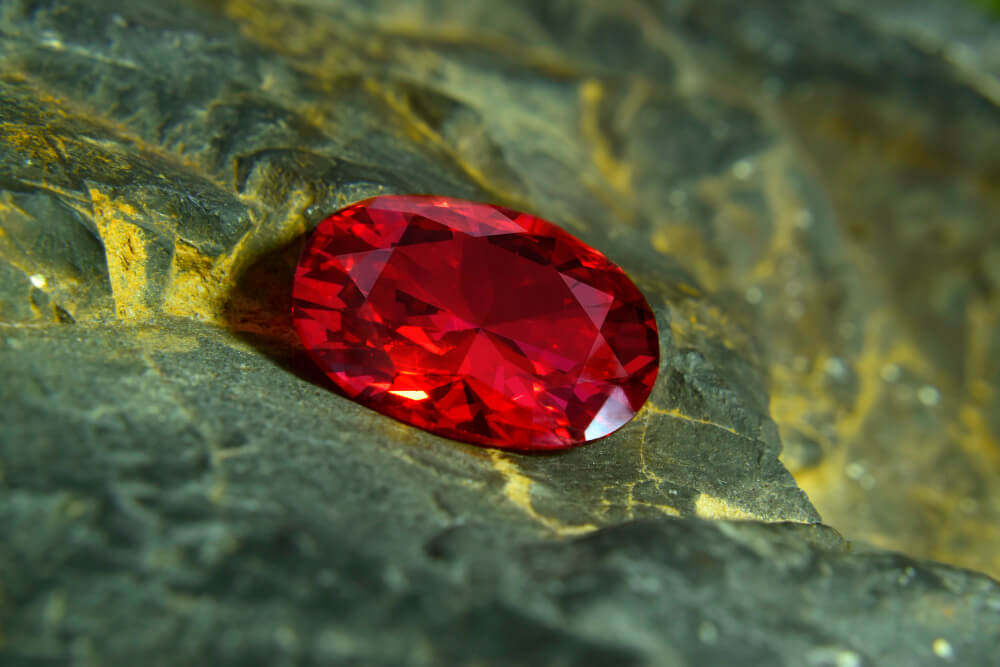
[977, 437]
[785, 205]
[696, 320]
[710, 507]
[321, 56]
[794, 398]
[871, 361]
[631, 504]
[421, 131]
[125, 250]
[201, 286]
[517, 489]
[34, 145]
[195, 281]
[677, 414]
[671, 238]
[617, 173]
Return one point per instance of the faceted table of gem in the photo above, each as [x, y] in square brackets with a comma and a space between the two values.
[474, 322]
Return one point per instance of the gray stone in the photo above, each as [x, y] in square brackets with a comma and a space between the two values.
[180, 485]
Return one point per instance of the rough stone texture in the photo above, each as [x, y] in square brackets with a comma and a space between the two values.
[804, 191]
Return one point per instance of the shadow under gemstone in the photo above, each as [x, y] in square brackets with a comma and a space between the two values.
[258, 310]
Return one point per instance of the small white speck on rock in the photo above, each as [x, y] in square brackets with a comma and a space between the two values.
[743, 169]
[968, 505]
[754, 295]
[855, 470]
[832, 656]
[891, 373]
[707, 633]
[848, 659]
[804, 219]
[836, 368]
[928, 396]
[942, 649]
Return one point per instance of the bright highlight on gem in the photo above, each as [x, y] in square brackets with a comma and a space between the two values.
[412, 394]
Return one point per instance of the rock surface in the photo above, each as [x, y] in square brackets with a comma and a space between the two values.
[180, 485]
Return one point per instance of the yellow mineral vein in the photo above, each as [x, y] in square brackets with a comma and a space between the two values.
[677, 414]
[517, 489]
[617, 173]
[710, 507]
[125, 250]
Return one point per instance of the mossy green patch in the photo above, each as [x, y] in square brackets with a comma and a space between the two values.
[991, 5]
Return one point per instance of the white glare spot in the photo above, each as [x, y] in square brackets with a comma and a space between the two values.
[848, 659]
[754, 295]
[707, 633]
[411, 394]
[743, 169]
[891, 373]
[928, 395]
[855, 470]
[38, 280]
[835, 368]
[833, 655]
[942, 649]
[803, 219]
[613, 414]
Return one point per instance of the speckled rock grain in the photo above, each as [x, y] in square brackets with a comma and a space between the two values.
[769, 174]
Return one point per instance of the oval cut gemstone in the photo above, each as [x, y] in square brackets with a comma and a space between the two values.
[474, 322]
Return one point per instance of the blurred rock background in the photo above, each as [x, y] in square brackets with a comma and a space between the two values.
[807, 192]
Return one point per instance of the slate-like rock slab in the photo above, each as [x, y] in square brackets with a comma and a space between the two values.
[180, 485]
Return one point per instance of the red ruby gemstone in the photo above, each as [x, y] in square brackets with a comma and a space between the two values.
[474, 322]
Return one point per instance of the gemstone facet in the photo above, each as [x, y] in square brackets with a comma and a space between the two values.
[474, 322]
